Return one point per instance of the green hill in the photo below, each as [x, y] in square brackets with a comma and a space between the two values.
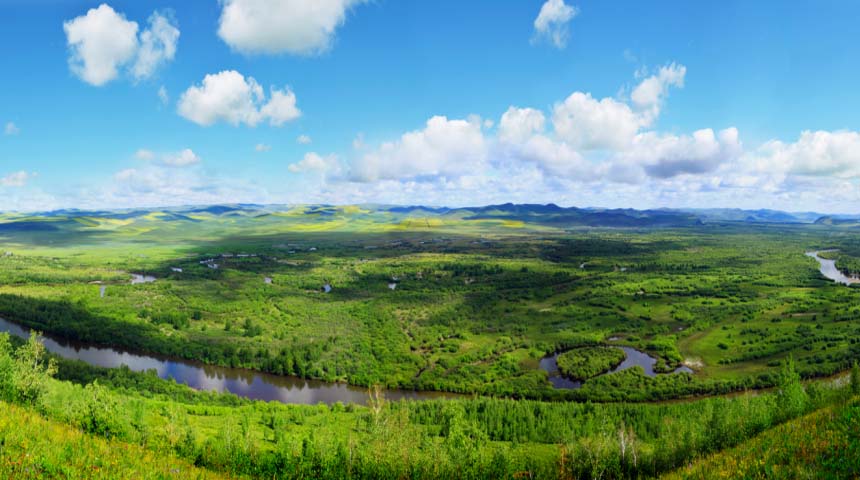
[33, 447]
[822, 444]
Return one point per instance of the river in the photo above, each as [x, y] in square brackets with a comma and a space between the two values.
[829, 270]
[244, 383]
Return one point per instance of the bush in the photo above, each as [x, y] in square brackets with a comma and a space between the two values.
[24, 374]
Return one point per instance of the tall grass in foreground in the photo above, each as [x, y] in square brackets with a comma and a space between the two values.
[821, 445]
[32, 447]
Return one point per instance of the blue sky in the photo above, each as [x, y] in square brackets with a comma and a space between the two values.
[589, 103]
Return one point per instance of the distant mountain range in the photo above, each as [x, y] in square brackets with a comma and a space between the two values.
[550, 215]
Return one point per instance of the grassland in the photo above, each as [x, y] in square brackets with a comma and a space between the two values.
[475, 304]
[32, 447]
[823, 444]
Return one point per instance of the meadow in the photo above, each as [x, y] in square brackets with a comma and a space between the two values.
[427, 301]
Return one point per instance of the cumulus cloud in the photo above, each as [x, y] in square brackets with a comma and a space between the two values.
[303, 139]
[314, 162]
[442, 148]
[16, 179]
[157, 45]
[156, 185]
[100, 42]
[11, 129]
[650, 94]
[262, 147]
[587, 123]
[665, 156]
[230, 97]
[553, 157]
[819, 153]
[552, 22]
[103, 42]
[282, 26]
[182, 158]
[519, 124]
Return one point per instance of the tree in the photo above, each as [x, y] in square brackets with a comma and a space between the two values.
[792, 398]
[31, 370]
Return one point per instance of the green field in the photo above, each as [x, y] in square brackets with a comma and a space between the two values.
[428, 301]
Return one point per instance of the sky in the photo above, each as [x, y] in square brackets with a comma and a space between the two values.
[605, 103]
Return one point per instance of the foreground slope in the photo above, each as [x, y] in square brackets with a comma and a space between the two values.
[33, 447]
[822, 444]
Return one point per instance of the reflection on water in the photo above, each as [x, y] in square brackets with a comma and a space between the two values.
[634, 358]
[244, 383]
[829, 270]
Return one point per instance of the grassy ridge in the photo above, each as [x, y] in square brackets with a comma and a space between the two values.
[587, 362]
[32, 447]
[823, 444]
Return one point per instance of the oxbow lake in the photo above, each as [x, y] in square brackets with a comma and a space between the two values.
[634, 358]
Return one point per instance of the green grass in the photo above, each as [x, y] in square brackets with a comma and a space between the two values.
[32, 447]
[823, 444]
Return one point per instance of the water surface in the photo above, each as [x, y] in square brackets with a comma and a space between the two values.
[200, 376]
[634, 358]
[829, 270]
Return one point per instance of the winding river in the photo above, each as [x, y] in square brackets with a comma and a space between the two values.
[634, 358]
[244, 383]
[288, 389]
[829, 270]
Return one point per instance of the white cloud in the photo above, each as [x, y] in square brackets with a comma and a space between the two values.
[282, 26]
[313, 162]
[554, 158]
[519, 124]
[229, 97]
[182, 158]
[304, 139]
[665, 156]
[11, 129]
[552, 22]
[281, 107]
[157, 45]
[590, 124]
[103, 41]
[262, 147]
[100, 42]
[819, 153]
[163, 97]
[448, 148]
[144, 154]
[16, 179]
[650, 94]
[157, 185]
